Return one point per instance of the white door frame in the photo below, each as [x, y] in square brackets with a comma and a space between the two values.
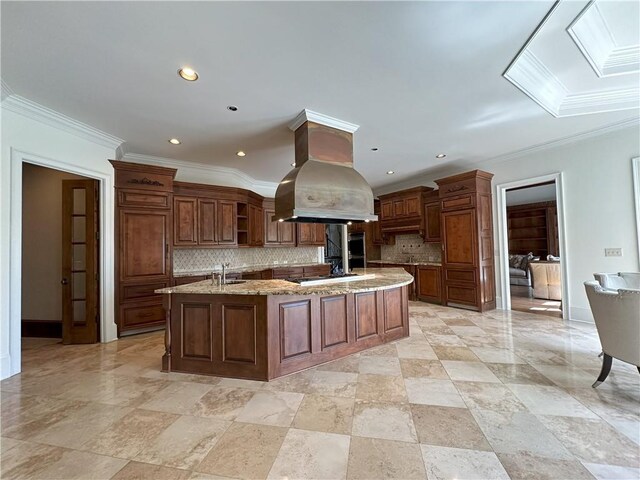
[503, 239]
[108, 330]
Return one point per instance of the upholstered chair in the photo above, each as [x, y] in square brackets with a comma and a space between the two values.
[546, 279]
[617, 317]
[614, 281]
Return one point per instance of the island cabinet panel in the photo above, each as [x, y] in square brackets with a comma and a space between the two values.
[217, 335]
[295, 329]
[334, 321]
[393, 319]
[239, 332]
[197, 326]
[366, 315]
[263, 337]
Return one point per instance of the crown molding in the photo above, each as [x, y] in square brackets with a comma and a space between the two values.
[6, 90]
[428, 176]
[315, 117]
[22, 106]
[596, 40]
[195, 170]
[531, 75]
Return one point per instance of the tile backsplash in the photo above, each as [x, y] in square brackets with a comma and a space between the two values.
[414, 246]
[199, 259]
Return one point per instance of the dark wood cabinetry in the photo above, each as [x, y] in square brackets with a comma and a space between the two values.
[429, 283]
[311, 234]
[277, 234]
[431, 216]
[403, 212]
[467, 240]
[533, 228]
[143, 243]
[207, 216]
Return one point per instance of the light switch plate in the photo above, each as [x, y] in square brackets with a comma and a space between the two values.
[612, 252]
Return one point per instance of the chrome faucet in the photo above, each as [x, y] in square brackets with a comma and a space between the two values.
[224, 273]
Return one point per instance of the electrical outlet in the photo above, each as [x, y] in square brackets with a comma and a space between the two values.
[612, 252]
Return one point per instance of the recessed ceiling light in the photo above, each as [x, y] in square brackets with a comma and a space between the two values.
[293, 164]
[174, 141]
[240, 153]
[390, 172]
[441, 155]
[374, 149]
[188, 73]
[232, 108]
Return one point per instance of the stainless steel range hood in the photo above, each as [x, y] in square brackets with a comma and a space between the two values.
[323, 187]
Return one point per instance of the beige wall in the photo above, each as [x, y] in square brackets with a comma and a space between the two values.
[42, 242]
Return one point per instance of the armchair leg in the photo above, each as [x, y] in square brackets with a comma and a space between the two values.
[606, 368]
[600, 354]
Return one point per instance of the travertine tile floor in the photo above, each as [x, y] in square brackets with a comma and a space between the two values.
[467, 396]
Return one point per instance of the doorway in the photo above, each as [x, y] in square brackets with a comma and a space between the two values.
[60, 260]
[531, 244]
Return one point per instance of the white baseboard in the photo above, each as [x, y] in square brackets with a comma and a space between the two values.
[5, 366]
[579, 314]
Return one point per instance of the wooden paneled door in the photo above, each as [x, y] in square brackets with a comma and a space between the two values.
[80, 299]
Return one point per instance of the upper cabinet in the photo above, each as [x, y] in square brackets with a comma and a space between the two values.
[207, 216]
[277, 234]
[311, 234]
[432, 217]
[403, 211]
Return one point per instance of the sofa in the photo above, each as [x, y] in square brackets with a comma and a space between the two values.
[546, 280]
[519, 269]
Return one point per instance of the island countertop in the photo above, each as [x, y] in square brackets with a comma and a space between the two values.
[384, 278]
[390, 262]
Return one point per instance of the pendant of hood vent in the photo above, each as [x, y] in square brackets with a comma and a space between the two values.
[324, 187]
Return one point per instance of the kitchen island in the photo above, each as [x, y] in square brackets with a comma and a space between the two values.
[263, 329]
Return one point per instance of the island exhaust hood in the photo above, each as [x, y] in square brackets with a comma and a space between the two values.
[323, 187]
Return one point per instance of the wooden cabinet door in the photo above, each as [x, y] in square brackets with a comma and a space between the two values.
[459, 237]
[376, 234]
[270, 229]
[386, 210]
[286, 233]
[256, 226]
[399, 207]
[227, 223]
[432, 222]
[319, 235]
[306, 233]
[207, 221]
[185, 221]
[412, 205]
[143, 243]
[429, 280]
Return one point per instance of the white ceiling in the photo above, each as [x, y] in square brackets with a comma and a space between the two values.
[539, 193]
[419, 78]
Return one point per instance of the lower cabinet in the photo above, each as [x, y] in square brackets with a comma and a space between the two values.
[429, 283]
[265, 337]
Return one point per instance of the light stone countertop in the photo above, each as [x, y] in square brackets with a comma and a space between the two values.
[246, 268]
[431, 264]
[384, 278]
